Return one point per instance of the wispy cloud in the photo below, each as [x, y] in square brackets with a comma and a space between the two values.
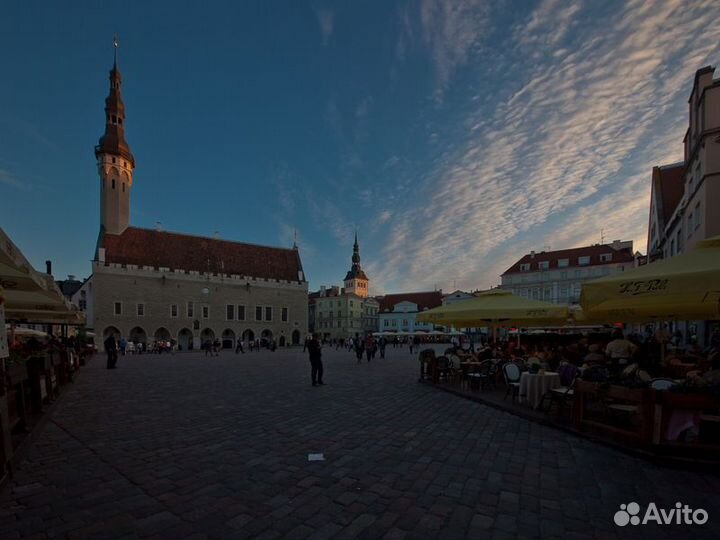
[326, 20]
[451, 30]
[563, 149]
[10, 180]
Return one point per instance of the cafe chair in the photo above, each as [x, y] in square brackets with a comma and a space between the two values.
[511, 372]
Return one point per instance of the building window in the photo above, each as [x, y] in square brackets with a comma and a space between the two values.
[113, 183]
[386, 323]
[697, 215]
[563, 275]
[258, 313]
[605, 257]
[583, 261]
[544, 265]
[690, 225]
[672, 247]
[206, 312]
[230, 312]
[83, 305]
[141, 310]
[173, 310]
[524, 267]
[190, 310]
[284, 315]
[563, 263]
[123, 187]
[268, 313]
[241, 313]
[118, 308]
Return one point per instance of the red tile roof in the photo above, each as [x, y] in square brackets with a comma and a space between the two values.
[671, 185]
[618, 256]
[429, 300]
[158, 249]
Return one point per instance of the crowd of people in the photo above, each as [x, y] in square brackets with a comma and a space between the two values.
[602, 355]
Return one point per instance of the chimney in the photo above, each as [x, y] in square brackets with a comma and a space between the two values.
[322, 290]
[532, 254]
[158, 226]
[48, 267]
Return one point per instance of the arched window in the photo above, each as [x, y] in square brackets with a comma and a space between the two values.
[113, 183]
[123, 187]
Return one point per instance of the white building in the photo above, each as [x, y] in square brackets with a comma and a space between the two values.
[398, 311]
[557, 276]
[685, 196]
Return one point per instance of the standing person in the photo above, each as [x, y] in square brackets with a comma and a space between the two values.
[382, 344]
[123, 345]
[316, 367]
[368, 347]
[239, 347]
[358, 348]
[111, 351]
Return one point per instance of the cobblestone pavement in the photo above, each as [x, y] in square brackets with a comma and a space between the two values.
[184, 446]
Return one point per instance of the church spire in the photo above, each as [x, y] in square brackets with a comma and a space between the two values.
[113, 140]
[356, 253]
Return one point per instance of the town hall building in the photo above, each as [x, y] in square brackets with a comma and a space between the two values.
[152, 285]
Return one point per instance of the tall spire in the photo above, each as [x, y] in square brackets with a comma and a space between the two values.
[113, 140]
[356, 253]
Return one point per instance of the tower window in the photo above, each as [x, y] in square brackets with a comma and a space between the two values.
[113, 160]
[123, 187]
[114, 119]
[120, 121]
[113, 183]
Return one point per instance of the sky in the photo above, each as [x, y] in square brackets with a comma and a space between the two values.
[455, 136]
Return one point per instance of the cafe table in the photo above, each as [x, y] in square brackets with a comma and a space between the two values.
[533, 386]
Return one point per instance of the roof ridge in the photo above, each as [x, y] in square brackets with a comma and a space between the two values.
[211, 238]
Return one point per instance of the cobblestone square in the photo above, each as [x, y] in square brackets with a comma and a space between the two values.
[190, 447]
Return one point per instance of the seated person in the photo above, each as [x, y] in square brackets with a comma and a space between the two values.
[594, 356]
[619, 348]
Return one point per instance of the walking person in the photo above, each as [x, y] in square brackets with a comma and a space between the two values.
[111, 351]
[369, 345]
[358, 348]
[382, 344]
[316, 367]
[239, 347]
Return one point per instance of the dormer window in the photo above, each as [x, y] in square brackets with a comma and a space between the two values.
[563, 263]
[525, 267]
[584, 261]
[544, 265]
[605, 257]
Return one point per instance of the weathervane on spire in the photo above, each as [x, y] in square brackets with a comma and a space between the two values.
[116, 44]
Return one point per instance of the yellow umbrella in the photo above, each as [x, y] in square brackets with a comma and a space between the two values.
[16, 273]
[685, 287]
[497, 307]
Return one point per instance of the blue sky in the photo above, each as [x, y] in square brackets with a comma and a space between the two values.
[456, 136]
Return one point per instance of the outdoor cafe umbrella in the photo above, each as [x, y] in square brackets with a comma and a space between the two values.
[496, 307]
[684, 287]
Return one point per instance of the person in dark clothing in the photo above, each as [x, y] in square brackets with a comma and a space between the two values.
[382, 344]
[316, 367]
[359, 348]
[111, 351]
[239, 347]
